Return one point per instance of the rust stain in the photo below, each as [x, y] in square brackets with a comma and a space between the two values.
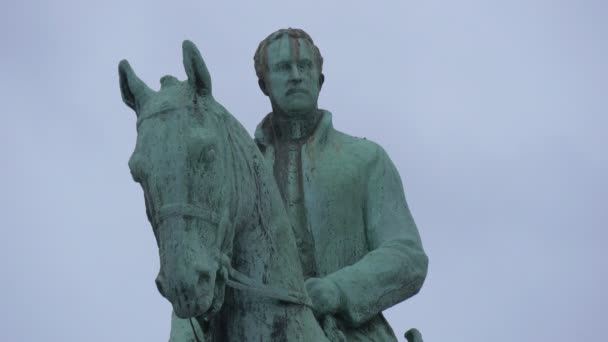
[295, 49]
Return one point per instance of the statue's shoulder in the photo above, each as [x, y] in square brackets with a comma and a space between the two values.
[362, 149]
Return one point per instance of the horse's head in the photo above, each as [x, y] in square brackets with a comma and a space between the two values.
[179, 160]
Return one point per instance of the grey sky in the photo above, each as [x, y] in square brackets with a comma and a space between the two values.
[495, 113]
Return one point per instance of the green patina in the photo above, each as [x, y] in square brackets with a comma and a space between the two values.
[301, 234]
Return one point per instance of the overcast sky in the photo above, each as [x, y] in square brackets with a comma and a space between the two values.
[494, 112]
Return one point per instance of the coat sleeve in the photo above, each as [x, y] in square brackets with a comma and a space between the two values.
[395, 267]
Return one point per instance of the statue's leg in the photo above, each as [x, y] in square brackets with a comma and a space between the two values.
[413, 335]
[181, 330]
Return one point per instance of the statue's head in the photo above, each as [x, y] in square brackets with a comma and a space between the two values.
[289, 68]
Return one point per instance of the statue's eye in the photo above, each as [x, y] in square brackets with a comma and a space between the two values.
[304, 65]
[283, 66]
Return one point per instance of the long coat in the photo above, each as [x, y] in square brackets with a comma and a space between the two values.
[365, 239]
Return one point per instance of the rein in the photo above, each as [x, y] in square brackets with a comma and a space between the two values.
[232, 277]
[240, 281]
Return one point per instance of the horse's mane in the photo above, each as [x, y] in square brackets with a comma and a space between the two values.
[247, 172]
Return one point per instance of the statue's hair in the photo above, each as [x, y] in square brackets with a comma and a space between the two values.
[260, 61]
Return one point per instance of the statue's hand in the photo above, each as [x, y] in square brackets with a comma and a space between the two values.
[325, 295]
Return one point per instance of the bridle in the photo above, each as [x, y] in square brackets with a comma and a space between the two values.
[232, 277]
[186, 210]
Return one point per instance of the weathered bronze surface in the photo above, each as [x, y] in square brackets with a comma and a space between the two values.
[301, 234]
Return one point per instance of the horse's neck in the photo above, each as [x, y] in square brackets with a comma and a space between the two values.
[266, 251]
[265, 248]
[264, 244]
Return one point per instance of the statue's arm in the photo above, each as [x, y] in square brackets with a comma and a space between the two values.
[396, 266]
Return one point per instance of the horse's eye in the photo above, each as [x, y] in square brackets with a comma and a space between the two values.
[209, 154]
[202, 152]
[202, 148]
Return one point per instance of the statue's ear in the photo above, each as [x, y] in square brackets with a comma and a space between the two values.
[133, 90]
[198, 75]
[321, 80]
[262, 85]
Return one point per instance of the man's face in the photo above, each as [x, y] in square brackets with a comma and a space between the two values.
[292, 78]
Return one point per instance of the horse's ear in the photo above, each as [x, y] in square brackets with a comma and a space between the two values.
[133, 90]
[197, 72]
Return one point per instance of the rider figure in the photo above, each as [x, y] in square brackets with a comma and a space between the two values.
[358, 244]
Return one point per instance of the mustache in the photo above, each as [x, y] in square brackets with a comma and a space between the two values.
[296, 90]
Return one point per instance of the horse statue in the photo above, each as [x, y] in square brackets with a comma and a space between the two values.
[228, 256]
[216, 213]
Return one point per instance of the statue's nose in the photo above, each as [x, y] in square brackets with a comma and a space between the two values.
[192, 279]
[294, 74]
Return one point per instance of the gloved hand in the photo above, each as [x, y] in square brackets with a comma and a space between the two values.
[325, 295]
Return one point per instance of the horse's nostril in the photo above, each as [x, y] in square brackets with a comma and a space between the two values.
[203, 279]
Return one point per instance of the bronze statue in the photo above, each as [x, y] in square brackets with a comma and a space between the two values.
[240, 227]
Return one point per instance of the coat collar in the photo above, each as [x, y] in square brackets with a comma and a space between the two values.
[265, 137]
